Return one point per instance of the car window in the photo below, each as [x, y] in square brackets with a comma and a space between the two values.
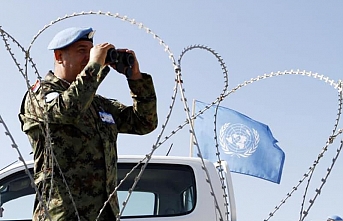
[163, 190]
[140, 203]
[170, 189]
[20, 208]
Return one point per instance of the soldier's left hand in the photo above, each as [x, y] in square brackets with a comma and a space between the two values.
[136, 74]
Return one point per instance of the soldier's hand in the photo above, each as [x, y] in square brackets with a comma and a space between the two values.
[136, 74]
[98, 53]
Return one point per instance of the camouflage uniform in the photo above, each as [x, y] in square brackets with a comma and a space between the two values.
[83, 140]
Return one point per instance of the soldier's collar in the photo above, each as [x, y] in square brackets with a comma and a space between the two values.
[63, 80]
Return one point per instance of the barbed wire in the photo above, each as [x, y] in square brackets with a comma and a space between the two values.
[15, 146]
[48, 153]
[335, 85]
[303, 213]
[31, 97]
[189, 117]
[140, 25]
[193, 133]
[308, 175]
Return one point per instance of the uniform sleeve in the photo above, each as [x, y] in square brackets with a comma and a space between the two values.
[73, 102]
[141, 117]
[64, 106]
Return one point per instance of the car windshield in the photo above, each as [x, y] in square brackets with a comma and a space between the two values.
[163, 190]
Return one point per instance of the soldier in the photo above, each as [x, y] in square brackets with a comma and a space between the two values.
[73, 131]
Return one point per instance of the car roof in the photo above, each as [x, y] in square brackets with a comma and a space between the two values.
[122, 159]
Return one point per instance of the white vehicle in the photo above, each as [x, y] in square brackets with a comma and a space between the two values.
[170, 188]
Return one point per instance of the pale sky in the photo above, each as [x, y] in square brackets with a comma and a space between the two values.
[252, 37]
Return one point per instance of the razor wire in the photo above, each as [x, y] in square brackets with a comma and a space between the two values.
[117, 15]
[15, 146]
[308, 175]
[323, 180]
[178, 82]
[48, 151]
[303, 213]
[226, 84]
[140, 25]
[157, 144]
[335, 85]
[31, 96]
[124, 18]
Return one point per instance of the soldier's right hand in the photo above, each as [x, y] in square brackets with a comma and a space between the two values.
[98, 53]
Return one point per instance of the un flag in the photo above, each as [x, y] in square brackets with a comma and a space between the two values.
[247, 145]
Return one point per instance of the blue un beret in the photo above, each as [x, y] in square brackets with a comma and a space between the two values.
[335, 218]
[69, 36]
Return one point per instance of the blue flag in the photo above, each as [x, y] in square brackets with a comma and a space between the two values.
[247, 145]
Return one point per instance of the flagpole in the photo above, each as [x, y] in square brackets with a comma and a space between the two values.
[192, 135]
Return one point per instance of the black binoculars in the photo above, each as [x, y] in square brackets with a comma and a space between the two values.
[122, 60]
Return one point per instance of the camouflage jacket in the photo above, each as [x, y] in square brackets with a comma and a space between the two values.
[81, 130]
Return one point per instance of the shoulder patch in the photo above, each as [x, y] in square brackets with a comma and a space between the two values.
[49, 97]
[36, 86]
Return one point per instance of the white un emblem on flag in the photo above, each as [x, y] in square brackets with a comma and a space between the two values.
[238, 139]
